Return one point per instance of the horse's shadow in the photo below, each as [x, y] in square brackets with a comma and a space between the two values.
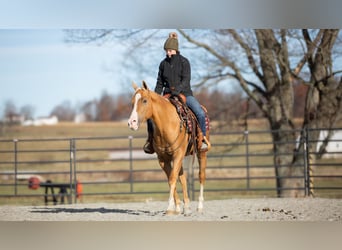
[50, 210]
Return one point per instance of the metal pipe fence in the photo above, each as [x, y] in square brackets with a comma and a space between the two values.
[240, 163]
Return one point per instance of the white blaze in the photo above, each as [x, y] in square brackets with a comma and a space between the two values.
[133, 122]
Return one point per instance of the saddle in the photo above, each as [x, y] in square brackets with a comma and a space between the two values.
[188, 118]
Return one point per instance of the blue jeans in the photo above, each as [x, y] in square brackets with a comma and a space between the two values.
[195, 106]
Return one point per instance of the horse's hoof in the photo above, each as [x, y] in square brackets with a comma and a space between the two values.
[200, 210]
[187, 212]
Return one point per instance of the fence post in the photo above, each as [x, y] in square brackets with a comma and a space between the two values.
[246, 132]
[71, 150]
[130, 139]
[72, 179]
[307, 162]
[75, 170]
[15, 141]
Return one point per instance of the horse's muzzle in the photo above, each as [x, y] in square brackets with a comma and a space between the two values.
[133, 124]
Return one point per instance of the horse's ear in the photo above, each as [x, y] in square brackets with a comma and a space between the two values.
[135, 86]
[144, 84]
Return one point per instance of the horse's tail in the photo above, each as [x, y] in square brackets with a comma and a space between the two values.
[188, 166]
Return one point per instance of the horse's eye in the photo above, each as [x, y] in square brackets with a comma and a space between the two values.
[144, 101]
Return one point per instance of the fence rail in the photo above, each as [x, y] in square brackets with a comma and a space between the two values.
[240, 163]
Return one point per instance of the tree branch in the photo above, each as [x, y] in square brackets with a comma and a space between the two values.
[249, 53]
[311, 46]
[230, 64]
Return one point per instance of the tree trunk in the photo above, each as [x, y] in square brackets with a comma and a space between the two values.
[278, 84]
[323, 101]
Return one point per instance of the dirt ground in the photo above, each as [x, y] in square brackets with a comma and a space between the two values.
[267, 209]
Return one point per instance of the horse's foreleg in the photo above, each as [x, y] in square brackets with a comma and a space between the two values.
[173, 207]
[174, 201]
[182, 178]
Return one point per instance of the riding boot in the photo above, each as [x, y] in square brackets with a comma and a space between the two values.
[148, 147]
[205, 144]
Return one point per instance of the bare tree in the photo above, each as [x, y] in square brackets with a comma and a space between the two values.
[122, 106]
[89, 109]
[64, 111]
[266, 64]
[10, 108]
[105, 107]
[267, 56]
[27, 111]
[11, 114]
[323, 106]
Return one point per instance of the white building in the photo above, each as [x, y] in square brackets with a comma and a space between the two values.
[41, 121]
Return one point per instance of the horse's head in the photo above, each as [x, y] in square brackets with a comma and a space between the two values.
[141, 106]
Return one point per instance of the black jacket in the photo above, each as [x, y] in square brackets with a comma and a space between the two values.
[174, 76]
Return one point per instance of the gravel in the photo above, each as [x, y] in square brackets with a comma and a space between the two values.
[267, 209]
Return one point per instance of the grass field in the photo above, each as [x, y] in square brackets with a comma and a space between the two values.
[94, 141]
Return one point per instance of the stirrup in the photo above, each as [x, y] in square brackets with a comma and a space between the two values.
[205, 144]
[148, 149]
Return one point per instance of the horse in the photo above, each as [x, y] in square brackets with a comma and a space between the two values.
[170, 142]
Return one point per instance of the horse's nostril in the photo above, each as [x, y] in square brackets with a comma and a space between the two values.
[131, 122]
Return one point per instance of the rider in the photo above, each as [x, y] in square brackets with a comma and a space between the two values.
[174, 78]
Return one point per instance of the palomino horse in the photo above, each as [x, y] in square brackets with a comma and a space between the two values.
[170, 142]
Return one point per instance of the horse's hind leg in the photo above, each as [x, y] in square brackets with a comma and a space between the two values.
[202, 161]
